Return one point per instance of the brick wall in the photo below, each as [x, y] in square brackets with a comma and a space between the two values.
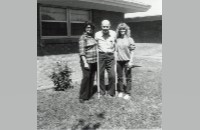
[70, 45]
[57, 48]
[114, 17]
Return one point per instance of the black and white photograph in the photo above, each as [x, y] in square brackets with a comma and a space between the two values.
[99, 64]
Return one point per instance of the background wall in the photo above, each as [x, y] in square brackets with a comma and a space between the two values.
[114, 17]
[146, 31]
[70, 45]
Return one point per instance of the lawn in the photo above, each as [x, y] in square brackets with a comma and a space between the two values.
[62, 110]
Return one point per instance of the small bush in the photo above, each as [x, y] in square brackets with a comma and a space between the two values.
[61, 77]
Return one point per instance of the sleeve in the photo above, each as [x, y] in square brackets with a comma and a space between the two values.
[82, 46]
[131, 44]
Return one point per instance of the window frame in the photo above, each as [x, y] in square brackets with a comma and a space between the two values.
[89, 13]
[68, 21]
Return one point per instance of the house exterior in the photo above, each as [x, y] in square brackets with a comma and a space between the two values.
[146, 29]
[60, 22]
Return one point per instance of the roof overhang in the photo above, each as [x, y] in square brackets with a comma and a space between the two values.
[146, 18]
[125, 6]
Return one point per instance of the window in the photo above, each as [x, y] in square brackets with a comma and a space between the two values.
[54, 21]
[78, 18]
[62, 21]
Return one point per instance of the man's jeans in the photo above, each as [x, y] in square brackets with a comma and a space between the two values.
[107, 62]
[122, 68]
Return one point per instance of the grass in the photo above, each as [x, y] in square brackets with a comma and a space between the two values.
[62, 110]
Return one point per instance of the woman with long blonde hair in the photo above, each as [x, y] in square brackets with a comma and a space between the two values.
[125, 47]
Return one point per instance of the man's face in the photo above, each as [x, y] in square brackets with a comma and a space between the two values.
[105, 27]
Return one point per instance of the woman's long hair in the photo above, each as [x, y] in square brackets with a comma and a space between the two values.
[123, 26]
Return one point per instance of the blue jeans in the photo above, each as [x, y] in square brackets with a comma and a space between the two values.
[122, 68]
[87, 82]
[106, 62]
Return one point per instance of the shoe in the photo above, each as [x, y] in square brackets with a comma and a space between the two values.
[110, 96]
[127, 97]
[103, 93]
[120, 95]
[81, 100]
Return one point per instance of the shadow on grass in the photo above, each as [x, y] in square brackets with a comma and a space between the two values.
[83, 126]
[101, 115]
[91, 126]
[134, 66]
[62, 89]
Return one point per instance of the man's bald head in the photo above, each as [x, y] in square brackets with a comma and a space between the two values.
[105, 25]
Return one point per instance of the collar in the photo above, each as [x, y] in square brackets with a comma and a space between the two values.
[103, 33]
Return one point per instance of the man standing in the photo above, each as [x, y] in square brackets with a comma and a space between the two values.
[106, 47]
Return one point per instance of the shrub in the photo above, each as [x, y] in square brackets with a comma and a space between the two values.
[61, 76]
